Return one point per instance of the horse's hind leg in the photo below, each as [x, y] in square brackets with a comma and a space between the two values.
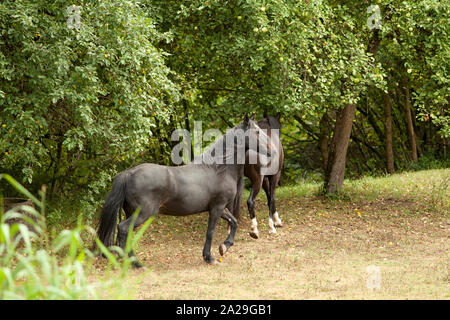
[269, 185]
[232, 222]
[273, 185]
[146, 212]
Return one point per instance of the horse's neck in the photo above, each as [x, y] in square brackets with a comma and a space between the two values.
[227, 158]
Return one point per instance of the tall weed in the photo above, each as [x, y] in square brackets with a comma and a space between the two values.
[34, 266]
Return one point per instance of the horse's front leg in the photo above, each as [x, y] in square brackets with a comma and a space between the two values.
[273, 185]
[214, 215]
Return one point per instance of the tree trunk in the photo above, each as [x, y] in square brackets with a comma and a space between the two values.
[398, 121]
[388, 133]
[334, 175]
[409, 123]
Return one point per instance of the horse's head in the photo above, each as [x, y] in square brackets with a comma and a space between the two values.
[274, 121]
[256, 139]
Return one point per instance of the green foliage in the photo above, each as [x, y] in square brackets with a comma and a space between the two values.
[286, 56]
[34, 266]
[75, 102]
[419, 30]
[79, 104]
[29, 267]
[428, 162]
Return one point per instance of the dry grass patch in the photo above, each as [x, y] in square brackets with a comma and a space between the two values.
[322, 251]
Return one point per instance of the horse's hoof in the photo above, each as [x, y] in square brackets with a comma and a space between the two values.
[272, 231]
[212, 261]
[278, 224]
[223, 249]
[254, 235]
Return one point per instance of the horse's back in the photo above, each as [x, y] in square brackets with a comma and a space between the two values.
[178, 190]
[147, 179]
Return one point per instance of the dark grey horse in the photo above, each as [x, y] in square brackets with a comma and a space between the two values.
[184, 190]
[258, 178]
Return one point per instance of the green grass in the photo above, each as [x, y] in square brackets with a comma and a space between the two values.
[301, 190]
[428, 185]
[418, 185]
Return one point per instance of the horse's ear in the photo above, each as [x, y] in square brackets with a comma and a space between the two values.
[279, 115]
[246, 119]
[265, 114]
[254, 117]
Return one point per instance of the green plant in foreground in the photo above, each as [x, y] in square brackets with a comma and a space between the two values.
[132, 240]
[34, 267]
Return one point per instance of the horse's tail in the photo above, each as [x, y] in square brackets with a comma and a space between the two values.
[113, 203]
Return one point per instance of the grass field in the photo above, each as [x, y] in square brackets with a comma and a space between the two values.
[399, 224]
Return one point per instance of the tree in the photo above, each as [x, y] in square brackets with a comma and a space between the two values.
[299, 58]
[334, 174]
[76, 100]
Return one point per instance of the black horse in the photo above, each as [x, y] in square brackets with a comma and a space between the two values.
[259, 177]
[215, 186]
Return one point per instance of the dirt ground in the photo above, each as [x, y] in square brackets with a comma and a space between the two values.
[322, 252]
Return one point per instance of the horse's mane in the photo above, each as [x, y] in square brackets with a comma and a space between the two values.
[219, 162]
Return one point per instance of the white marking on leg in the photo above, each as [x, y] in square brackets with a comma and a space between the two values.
[271, 226]
[278, 222]
[229, 228]
[254, 226]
